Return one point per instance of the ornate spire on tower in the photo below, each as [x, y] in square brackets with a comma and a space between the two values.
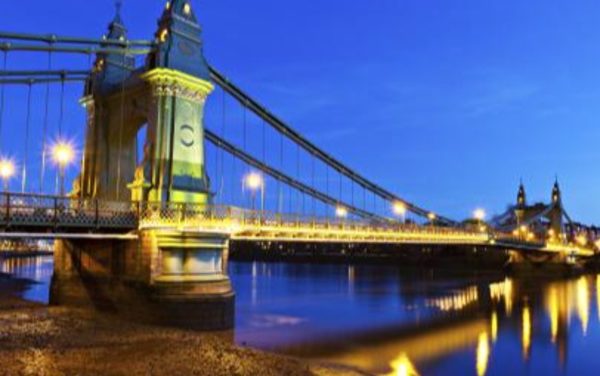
[116, 29]
[556, 194]
[521, 196]
[111, 69]
[179, 38]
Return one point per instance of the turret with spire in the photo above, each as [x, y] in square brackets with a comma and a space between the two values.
[179, 38]
[521, 203]
[556, 195]
[111, 69]
[521, 196]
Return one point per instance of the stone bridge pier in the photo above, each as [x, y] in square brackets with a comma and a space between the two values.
[164, 277]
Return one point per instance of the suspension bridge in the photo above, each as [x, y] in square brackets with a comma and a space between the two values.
[178, 162]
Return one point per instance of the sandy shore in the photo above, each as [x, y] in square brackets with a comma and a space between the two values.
[40, 340]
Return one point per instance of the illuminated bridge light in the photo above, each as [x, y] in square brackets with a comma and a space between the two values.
[479, 214]
[63, 153]
[7, 171]
[399, 208]
[254, 181]
[341, 212]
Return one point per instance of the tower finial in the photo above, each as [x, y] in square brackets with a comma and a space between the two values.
[118, 6]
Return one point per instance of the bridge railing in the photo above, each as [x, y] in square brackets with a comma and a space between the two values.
[51, 212]
[176, 214]
[30, 210]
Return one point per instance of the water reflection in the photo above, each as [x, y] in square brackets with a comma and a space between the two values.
[390, 321]
[483, 353]
[36, 269]
[402, 366]
[394, 322]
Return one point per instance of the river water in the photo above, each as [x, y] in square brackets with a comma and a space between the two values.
[386, 320]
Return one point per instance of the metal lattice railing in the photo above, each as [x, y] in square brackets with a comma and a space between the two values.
[40, 211]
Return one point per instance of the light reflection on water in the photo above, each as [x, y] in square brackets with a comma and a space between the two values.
[444, 324]
[37, 269]
[392, 322]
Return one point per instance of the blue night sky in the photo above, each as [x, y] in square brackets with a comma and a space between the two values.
[447, 103]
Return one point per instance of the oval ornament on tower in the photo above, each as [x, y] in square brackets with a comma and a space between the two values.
[186, 135]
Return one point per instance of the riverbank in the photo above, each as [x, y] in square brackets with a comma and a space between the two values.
[39, 340]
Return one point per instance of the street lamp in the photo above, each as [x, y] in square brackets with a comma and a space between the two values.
[479, 215]
[432, 217]
[341, 212]
[254, 182]
[7, 170]
[399, 209]
[63, 155]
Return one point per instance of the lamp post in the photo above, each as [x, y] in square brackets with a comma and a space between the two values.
[7, 170]
[479, 215]
[341, 212]
[399, 209]
[255, 182]
[63, 154]
[432, 217]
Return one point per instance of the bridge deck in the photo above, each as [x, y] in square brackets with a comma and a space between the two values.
[35, 216]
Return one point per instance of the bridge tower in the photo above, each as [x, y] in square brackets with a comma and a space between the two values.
[182, 273]
[521, 204]
[167, 96]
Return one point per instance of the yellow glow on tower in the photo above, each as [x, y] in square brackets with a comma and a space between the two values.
[187, 9]
[164, 34]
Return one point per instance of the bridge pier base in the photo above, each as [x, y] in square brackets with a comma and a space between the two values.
[165, 277]
[544, 263]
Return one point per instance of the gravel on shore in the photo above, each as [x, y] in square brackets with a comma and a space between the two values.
[48, 341]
